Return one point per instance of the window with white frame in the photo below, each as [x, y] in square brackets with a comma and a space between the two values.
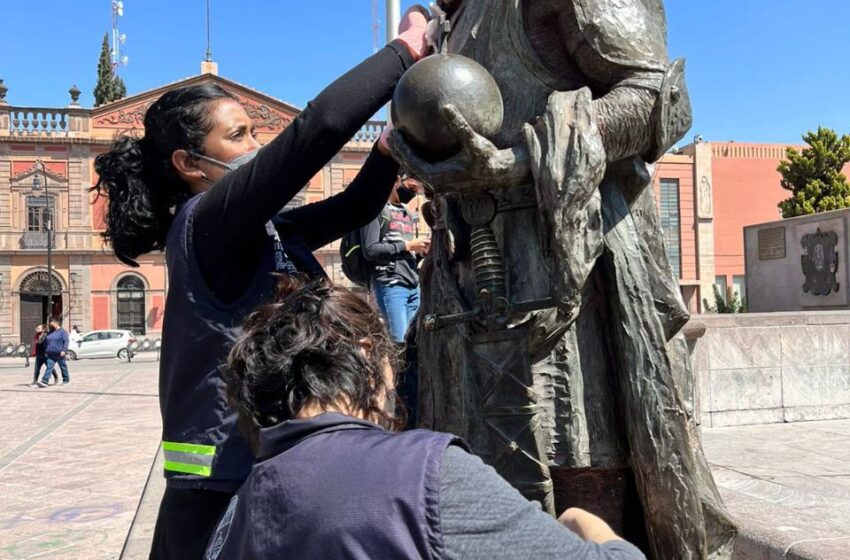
[670, 223]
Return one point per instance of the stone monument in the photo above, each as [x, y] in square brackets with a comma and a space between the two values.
[798, 264]
[547, 336]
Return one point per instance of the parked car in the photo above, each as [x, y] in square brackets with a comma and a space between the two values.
[103, 344]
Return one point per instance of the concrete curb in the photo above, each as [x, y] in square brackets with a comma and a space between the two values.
[139, 538]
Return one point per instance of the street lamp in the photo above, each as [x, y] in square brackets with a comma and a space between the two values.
[48, 219]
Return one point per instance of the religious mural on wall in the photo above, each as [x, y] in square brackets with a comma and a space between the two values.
[820, 262]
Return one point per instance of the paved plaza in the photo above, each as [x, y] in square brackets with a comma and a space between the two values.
[787, 485]
[75, 460]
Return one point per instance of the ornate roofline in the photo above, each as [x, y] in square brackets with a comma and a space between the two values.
[194, 80]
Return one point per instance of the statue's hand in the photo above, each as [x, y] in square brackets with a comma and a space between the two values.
[479, 164]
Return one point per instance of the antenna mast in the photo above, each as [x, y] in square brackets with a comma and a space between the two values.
[208, 56]
[376, 26]
[118, 38]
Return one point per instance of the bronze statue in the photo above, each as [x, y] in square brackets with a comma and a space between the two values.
[547, 336]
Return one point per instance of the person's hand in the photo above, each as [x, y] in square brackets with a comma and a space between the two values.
[383, 145]
[587, 526]
[61, 354]
[420, 245]
[479, 165]
[413, 31]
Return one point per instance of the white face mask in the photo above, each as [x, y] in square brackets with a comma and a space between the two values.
[231, 165]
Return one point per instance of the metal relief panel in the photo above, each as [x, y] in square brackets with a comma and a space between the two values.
[822, 270]
[771, 243]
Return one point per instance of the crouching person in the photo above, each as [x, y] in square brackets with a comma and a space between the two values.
[312, 379]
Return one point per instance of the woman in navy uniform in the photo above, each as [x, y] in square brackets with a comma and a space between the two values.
[200, 187]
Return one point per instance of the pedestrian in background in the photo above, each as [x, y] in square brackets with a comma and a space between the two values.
[390, 243]
[38, 354]
[55, 349]
[75, 335]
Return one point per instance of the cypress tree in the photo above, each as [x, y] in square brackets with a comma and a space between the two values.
[815, 174]
[110, 87]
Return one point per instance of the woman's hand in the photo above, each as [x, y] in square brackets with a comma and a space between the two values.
[479, 165]
[413, 31]
[420, 245]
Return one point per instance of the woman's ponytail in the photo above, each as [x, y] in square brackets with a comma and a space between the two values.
[138, 178]
[137, 220]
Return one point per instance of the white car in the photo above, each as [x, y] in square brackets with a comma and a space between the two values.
[102, 344]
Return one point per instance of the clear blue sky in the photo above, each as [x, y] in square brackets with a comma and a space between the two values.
[758, 70]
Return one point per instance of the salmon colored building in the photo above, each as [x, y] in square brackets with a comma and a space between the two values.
[46, 169]
[707, 192]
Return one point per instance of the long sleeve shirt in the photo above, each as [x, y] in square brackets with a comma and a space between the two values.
[384, 244]
[56, 343]
[229, 223]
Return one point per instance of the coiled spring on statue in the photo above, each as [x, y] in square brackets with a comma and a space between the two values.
[487, 262]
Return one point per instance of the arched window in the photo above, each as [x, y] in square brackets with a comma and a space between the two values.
[131, 304]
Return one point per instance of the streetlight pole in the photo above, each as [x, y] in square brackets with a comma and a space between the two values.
[393, 16]
[49, 249]
[36, 186]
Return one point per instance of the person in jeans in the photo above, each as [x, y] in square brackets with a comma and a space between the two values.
[38, 353]
[311, 377]
[55, 348]
[391, 244]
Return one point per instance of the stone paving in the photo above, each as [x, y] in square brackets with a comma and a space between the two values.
[787, 485]
[74, 459]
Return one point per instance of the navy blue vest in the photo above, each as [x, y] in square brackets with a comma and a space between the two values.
[201, 445]
[334, 486]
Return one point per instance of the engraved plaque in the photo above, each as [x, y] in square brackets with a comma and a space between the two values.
[772, 243]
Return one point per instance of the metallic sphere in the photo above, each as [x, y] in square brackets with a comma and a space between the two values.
[440, 80]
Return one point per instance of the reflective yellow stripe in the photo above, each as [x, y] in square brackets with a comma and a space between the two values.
[194, 448]
[187, 468]
[353, 248]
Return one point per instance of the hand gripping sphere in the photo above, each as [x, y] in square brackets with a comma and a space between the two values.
[436, 81]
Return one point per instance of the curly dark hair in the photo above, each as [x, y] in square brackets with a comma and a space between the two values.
[138, 177]
[307, 348]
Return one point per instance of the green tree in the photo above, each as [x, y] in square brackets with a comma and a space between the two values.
[732, 303]
[110, 87]
[814, 175]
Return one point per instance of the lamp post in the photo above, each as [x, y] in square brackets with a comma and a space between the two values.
[48, 220]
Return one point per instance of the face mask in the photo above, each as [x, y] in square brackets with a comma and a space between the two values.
[405, 194]
[233, 164]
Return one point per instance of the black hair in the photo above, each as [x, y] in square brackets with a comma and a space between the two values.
[307, 348]
[137, 175]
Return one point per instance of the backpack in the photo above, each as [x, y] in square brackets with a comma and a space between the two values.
[354, 264]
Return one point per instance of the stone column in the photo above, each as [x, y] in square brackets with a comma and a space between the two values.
[5, 192]
[80, 285]
[704, 198]
[6, 303]
[78, 198]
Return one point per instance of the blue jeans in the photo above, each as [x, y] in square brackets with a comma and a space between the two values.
[63, 367]
[39, 363]
[398, 305]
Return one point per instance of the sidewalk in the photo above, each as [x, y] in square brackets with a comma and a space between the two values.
[788, 487]
[74, 459]
[74, 462]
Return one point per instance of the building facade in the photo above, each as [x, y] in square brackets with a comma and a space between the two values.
[46, 172]
[707, 192]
